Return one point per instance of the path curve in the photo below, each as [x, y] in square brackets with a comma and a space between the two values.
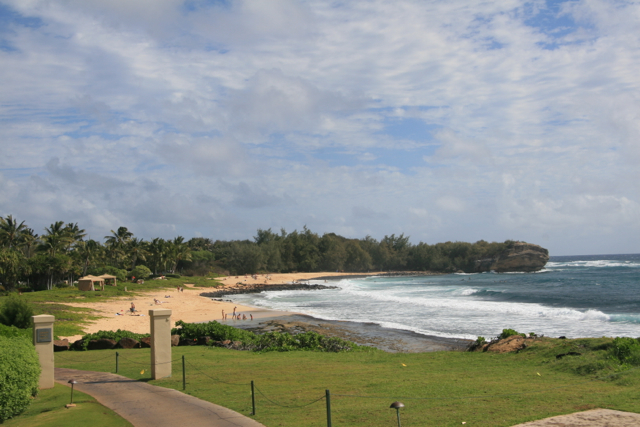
[146, 405]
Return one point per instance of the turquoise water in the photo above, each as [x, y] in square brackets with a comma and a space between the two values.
[582, 296]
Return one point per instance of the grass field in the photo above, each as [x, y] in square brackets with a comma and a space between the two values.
[48, 410]
[438, 389]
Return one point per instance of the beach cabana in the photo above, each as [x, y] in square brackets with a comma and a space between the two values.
[107, 277]
[86, 283]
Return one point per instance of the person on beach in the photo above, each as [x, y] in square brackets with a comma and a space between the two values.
[223, 315]
[251, 316]
[234, 313]
[133, 308]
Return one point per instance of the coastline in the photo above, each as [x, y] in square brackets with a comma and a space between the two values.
[192, 306]
[362, 333]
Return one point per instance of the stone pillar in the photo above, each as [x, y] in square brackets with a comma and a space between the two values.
[43, 340]
[160, 343]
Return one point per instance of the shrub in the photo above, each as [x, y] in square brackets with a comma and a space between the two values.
[217, 331]
[19, 375]
[310, 341]
[140, 272]
[16, 312]
[506, 333]
[270, 341]
[12, 332]
[626, 350]
[112, 335]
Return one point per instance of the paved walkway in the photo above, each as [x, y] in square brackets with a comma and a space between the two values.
[145, 405]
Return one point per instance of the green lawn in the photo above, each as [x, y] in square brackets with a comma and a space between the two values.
[48, 410]
[438, 389]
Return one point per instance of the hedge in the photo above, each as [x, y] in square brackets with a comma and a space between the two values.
[19, 375]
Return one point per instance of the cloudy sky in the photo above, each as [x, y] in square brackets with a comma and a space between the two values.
[444, 120]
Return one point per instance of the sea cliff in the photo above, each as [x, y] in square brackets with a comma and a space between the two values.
[519, 257]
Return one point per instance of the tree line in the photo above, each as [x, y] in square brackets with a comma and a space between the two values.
[61, 254]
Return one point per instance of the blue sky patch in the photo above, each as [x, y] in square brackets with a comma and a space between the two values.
[553, 22]
[10, 16]
[411, 129]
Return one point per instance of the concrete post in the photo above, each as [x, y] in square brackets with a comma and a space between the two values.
[43, 340]
[160, 343]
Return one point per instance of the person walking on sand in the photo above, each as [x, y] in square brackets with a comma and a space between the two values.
[223, 315]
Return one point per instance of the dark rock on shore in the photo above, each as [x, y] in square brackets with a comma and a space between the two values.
[101, 344]
[521, 257]
[128, 343]
[254, 289]
[61, 345]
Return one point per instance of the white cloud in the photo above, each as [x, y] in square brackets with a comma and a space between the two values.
[247, 114]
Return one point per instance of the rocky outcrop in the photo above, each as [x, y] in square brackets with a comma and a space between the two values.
[101, 344]
[511, 344]
[520, 256]
[175, 340]
[128, 343]
[257, 288]
[61, 345]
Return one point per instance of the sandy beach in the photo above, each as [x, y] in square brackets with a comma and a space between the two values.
[188, 305]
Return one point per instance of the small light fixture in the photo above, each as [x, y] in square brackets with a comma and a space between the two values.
[397, 406]
[72, 382]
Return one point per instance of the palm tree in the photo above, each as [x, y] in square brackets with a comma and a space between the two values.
[10, 231]
[137, 249]
[74, 233]
[88, 251]
[56, 239]
[179, 251]
[116, 243]
[158, 251]
[29, 242]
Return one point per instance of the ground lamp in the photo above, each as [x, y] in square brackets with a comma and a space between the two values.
[397, 406]
[72, 382]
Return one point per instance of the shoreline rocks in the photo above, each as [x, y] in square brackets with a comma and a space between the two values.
[255, 289]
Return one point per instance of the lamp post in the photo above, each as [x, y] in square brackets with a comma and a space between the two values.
[72, 382]
[397, 406]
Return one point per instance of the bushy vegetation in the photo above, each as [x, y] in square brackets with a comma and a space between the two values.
[309, 252]
[270, 341]
[626, 350]
[506, 333]
[112, 335]
[19, 375]
[140, 272]
[12, 332]
[16, 312]
[61, 255]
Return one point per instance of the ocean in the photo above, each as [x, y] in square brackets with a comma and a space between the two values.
[574, 296]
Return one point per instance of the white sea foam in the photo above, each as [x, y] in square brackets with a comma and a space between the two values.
[601, 263]
[447, 306]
